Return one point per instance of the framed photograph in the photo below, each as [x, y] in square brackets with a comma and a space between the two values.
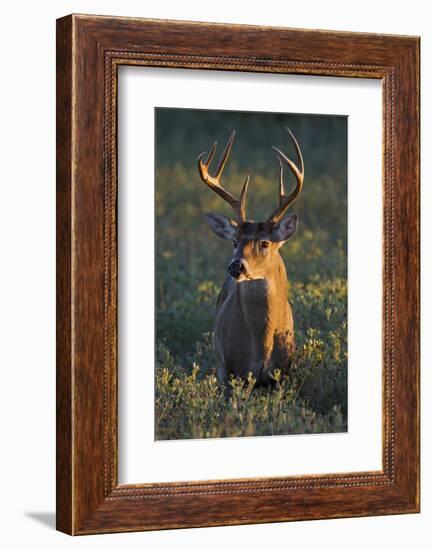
[237, 274]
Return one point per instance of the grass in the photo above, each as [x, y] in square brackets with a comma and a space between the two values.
[312, 399]
[191, 264]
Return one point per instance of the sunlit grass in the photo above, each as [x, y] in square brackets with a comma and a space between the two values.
[191, 264]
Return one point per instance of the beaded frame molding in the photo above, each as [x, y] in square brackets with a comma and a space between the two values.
[89, 51]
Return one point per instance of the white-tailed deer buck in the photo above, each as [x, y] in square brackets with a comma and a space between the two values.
[253, 330]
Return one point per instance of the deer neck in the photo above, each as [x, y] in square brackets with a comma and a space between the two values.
[260, 296]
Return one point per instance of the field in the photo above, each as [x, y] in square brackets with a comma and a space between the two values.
[191, 266]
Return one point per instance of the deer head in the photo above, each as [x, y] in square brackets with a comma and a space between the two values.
[256, 244]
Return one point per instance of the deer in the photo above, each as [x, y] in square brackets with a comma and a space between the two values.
[253, 328]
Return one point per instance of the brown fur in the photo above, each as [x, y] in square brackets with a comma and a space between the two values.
[253, 330]
[254, 325]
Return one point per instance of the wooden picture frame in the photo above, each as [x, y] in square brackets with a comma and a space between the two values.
[89, 51]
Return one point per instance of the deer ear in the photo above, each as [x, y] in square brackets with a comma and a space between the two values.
[223, 227]
[285, 229]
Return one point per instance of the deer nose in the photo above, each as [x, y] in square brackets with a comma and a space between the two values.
[236, 267]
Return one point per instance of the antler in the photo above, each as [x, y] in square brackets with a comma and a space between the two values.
[285, 202]
[213, 182]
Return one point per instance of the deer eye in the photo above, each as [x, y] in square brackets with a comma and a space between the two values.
[234, 244]
[263, 244]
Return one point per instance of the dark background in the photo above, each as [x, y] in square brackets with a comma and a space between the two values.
[188, 253]
[191, 266]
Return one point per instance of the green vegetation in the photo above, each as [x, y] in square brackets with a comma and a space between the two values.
[191, 264]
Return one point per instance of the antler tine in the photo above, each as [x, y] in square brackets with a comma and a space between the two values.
[224, 157]
[211, 154]
[242, 197]
[284, 201]
[281, 184]
[213, 182]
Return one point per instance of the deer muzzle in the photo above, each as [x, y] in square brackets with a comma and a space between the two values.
[237, 268]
